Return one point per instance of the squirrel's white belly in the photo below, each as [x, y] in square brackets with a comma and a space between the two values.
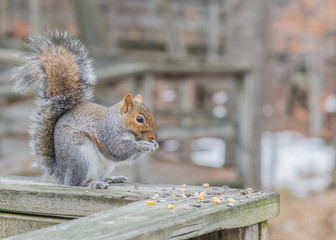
[99, 166]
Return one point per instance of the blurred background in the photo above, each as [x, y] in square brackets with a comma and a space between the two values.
[244, 92]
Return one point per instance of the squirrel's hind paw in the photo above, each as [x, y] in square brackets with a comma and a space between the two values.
[116, 179]
[98, 185]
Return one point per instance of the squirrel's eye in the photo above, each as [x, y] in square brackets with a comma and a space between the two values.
[139, 119]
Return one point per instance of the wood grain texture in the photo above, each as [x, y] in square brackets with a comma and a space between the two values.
[251, 232]
[13, 224]
[263, 231]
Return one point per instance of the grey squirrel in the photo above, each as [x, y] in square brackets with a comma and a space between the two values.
[78, 142]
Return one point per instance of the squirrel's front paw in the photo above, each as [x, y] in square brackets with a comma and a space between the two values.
[98, 184]
[148, 146]
[156, 145]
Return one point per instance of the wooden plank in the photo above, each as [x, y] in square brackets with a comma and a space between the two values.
[226, 131]
[33, 196]
[14, 224]
[121, 70]
[136, 68]
[197, 68]
[197, 114]
[139, 68]
[189, 218]
[7, 92]
[10, 56]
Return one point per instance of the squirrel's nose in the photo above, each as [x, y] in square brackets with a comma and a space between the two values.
[150, 136]
[154, 137]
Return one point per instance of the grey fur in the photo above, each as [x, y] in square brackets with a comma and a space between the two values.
[75, 141]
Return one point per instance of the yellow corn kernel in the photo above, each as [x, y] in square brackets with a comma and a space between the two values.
[170, 206]
[199, 198]
[216, 200]
[230, 200]
[150, 202]
[206, 185]
[202, 194]
[182, 190]
[248, 190]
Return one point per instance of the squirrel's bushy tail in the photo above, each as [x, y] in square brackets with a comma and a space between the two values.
[61, 73]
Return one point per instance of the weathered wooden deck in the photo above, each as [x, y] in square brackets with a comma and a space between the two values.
[121, 212]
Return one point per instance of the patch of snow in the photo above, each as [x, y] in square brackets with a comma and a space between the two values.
[289, 160]
[209, 152]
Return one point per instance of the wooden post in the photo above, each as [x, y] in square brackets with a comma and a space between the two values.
[244, 131]
[315, 82]
[90, 23]
[246, 44]
[263, 231]
[3, 20]
[113, 38]
[1, 119]
[250, 232]
[185, 89]
[35, 16]
[174, 36]
[150, 34]
[213, 27]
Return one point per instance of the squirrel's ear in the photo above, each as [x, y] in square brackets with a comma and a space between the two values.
[127, 104]
[138, 98]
